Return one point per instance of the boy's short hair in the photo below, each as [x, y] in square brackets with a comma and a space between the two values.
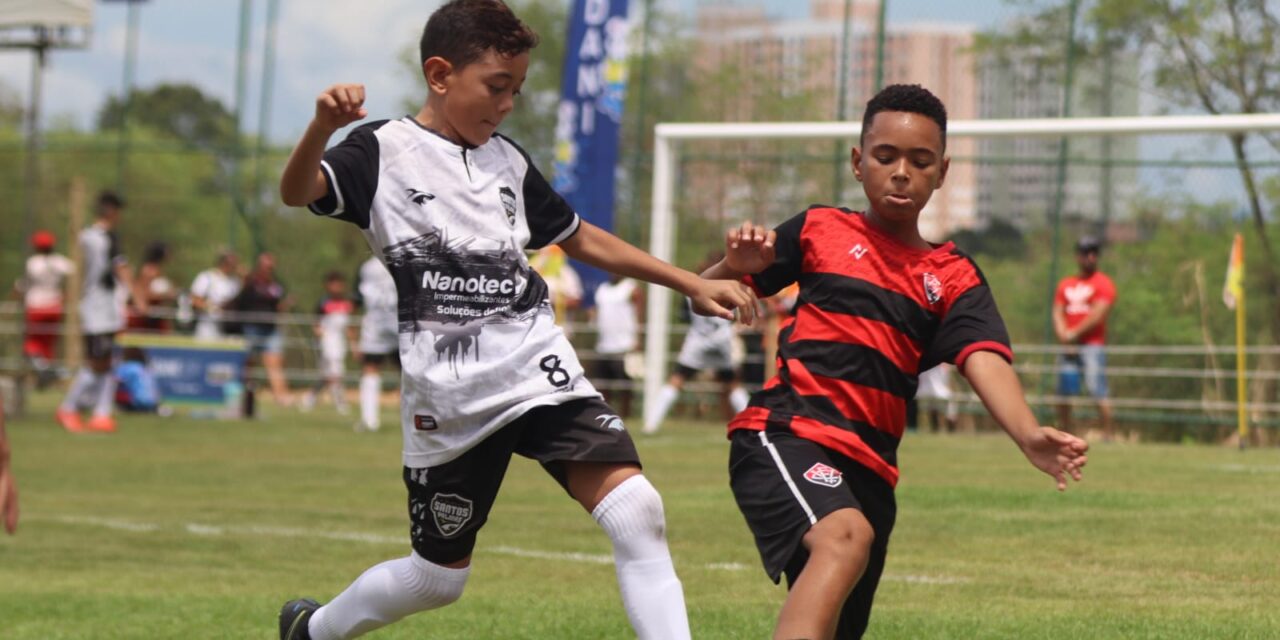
[462, 30]
[108, 200]
[911, 98]
[334, 276]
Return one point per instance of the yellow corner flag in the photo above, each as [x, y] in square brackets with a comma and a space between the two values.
[1233, 297]
[1233, 290]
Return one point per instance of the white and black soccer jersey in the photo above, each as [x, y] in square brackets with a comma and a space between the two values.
[708, 344]
[102, 300]
[478, 341]
[376, 291]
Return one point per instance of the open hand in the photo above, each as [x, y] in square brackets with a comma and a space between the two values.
[340, 105]
[749, 248]
[1058, 454]
[720, 298]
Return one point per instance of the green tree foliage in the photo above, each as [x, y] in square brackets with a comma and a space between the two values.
[181, 112]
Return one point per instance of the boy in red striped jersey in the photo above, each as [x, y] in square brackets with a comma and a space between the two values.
[813, 458]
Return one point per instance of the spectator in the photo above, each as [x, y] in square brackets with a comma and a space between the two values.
[259, 300]
[617, 321]
[42, 287]
[564, 287]
[379, 336]
[1080, 310]
[934, 390]
[137, 392]
[8, 486]
[107, 280]
[334, 331]
[160, 294]
[211, 291]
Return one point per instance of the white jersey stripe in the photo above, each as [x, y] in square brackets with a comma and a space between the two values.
[569, 231]
[782, 469]
[337, 192]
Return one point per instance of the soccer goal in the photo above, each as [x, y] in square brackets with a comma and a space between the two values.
[1112, 175]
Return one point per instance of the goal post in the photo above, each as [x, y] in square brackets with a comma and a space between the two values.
[668, 137]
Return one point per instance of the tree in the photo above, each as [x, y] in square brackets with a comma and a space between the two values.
[180, 111]
[1215, 56]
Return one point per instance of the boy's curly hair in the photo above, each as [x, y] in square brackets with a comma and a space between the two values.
[462, 30]
[911, 98]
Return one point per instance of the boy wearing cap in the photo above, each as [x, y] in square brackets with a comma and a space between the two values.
[41, 286]
[1080, 309]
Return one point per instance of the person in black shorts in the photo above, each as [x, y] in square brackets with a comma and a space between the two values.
[450, 207]
[813, 458]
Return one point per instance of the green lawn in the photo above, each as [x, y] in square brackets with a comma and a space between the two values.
[181, 528]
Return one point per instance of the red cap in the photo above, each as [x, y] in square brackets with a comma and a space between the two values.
[42, 240]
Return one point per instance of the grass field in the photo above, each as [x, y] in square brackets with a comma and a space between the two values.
[181, 528]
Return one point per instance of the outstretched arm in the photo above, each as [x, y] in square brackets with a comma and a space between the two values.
[338, 106]
[603, 250]
[1054, 452]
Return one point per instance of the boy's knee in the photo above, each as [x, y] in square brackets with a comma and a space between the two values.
[845, 534]
[434, 585]
[633, 511]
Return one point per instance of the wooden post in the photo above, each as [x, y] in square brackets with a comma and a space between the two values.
[77, 203]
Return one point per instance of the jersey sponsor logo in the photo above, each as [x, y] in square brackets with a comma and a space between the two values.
[419, 197]
[826, 476]
[451, 512]
[1078, 298]
[858, 251]
[424, 423]
[932, 288]
[610, 421]
[508, 204]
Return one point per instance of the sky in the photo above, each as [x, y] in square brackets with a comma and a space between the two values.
[319, 43]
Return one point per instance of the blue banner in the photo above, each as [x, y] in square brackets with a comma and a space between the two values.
[591, 96]
[188, 371]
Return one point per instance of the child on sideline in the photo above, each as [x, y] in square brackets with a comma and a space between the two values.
[333, 331]
[813, 459]
[451, 207]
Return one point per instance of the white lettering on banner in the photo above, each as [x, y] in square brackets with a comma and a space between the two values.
[589, 81]
[565, 119]
[595, 12]
[592, 45]
[588, 121]
[616, 32]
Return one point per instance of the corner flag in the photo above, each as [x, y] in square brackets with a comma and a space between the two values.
[1233, 290]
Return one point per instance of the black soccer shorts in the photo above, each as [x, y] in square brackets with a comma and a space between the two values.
[99, 346]
[449, 503]
[784, 484]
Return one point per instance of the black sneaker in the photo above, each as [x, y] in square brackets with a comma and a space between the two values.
[294, 616]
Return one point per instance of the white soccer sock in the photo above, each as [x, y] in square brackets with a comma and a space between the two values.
[370, 386]
[85, 379]
[339, 394]
[651, 593]
[386, 593]
[738, 399]
[666, 398]
[106, 399]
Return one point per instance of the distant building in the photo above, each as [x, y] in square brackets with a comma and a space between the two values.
[803, 56]
[1018, 178]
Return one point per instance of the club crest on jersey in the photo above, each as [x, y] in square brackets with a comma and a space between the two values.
[419, 197]
[821, 474]
[508, 204]
[932, 288]
[424, 423]
[451, 512]
[610, 421]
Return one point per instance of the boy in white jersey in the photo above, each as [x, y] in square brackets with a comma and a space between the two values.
[332, 329]
[379, 336]
[101, 317]
[41, 286]
[451, 208]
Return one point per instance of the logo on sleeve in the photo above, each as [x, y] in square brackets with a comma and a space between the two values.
[610, 421]
[821, 474]
[932, 288]
[451, 512]
[419, 197]
[508, 204]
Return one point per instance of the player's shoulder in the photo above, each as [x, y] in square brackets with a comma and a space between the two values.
[511, 149]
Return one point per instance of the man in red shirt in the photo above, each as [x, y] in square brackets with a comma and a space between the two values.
[813, 458]
[1080, 310]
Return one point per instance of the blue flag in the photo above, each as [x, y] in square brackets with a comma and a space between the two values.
[591, 96]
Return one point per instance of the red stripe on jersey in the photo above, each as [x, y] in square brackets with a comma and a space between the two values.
[846, 443]
[813, 323]
[880, 409]
[752, 418]
[989, 345]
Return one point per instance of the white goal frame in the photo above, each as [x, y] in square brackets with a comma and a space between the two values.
[668, 135]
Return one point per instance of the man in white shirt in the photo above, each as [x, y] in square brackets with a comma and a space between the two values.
[211, 291]
[42, 286]
[106, 276]
[617, 322]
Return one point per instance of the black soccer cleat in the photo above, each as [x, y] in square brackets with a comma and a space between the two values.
[294, 616]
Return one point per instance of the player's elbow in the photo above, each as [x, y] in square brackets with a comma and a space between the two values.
[293, 197]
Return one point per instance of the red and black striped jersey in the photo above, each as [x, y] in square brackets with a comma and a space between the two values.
[872, 313]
